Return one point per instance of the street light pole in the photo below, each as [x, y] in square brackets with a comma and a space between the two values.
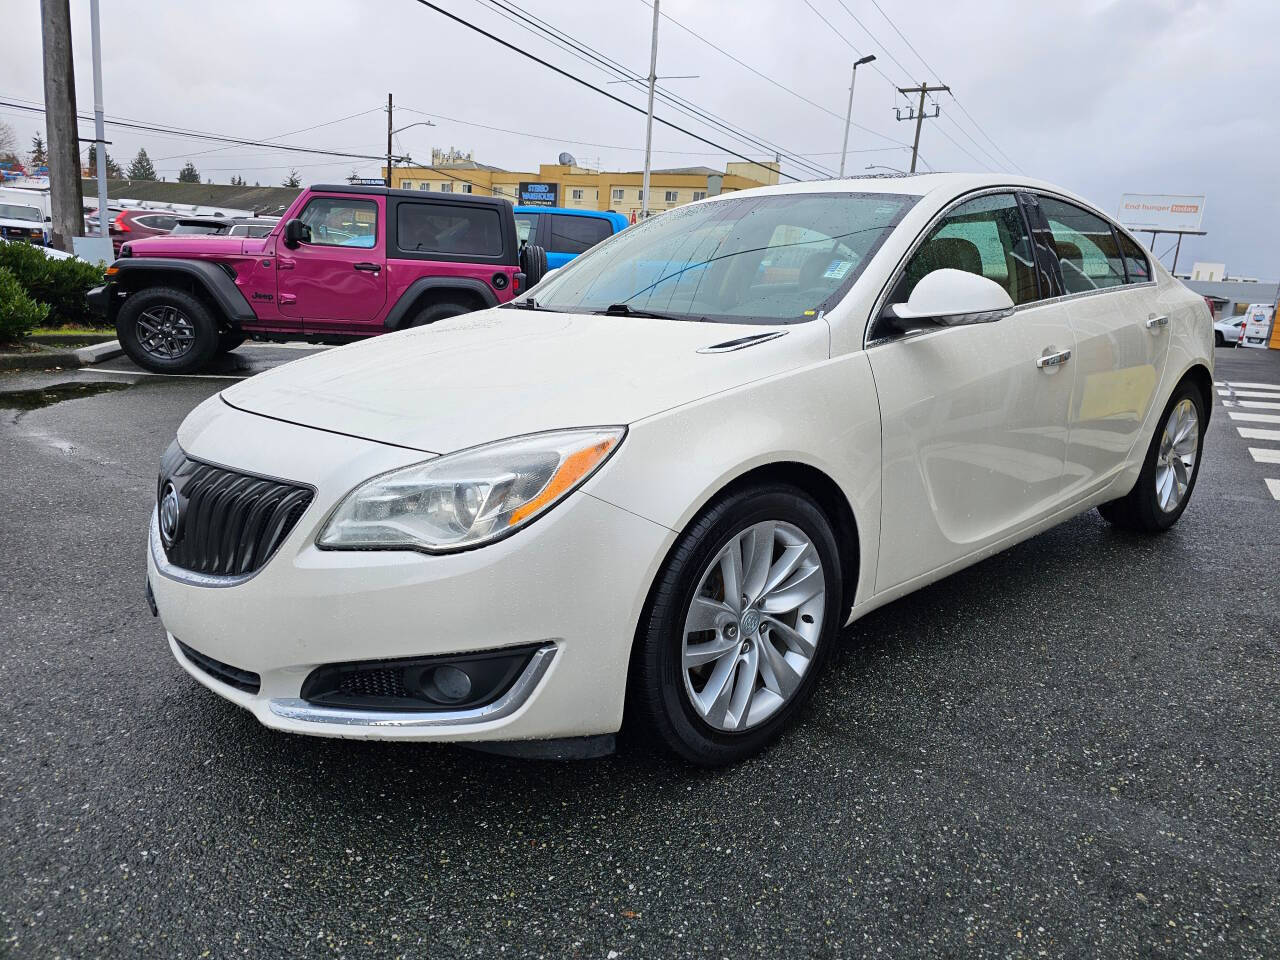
[99, 128]
[648, 126]
[389, 133]
[848, 114]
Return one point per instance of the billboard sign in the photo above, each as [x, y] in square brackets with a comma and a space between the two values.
[1159, 211]
[539, 194]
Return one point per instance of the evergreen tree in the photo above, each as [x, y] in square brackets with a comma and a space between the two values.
[113, 169]
[39, 155]
[141, 168]
[189, 174]
[293, 180]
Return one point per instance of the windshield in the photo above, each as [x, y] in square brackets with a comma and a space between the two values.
[11, 211]
[779, 258]
[201, 228]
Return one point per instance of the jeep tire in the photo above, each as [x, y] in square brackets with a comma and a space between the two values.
[533, 263]
[437, 311]
[166, 330]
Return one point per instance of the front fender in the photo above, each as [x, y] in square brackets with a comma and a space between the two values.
[135, 271]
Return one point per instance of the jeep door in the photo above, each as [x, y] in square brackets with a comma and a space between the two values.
[336, 282]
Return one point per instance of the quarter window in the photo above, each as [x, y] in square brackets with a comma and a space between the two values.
[1085, 247]
[1137, 266]
[341, 222]
[986, 236]
[448, 229]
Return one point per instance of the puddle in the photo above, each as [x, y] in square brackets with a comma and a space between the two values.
[55, 393]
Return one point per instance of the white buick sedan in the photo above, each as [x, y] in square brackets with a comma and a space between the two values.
[656, 488]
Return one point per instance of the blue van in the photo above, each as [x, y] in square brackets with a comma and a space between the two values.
[565, 233]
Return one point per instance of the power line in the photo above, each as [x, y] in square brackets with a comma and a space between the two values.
[591, 86]
[291, 133]
[558, 37]
[198, 135]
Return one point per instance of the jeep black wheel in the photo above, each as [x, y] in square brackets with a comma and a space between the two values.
[166, 330]
[438, 311]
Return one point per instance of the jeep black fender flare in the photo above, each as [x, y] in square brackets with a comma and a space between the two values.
[211, 278]
[399, 314]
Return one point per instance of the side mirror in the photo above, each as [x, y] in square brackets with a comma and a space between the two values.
[296, 232]
[954, 298]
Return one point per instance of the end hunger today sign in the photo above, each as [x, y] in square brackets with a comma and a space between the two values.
[1160, 211]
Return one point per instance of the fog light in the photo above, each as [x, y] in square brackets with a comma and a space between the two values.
[448, 684]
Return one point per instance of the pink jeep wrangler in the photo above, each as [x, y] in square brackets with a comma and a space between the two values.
[344, 262]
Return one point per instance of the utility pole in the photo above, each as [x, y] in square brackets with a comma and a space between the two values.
[848, 114]
[918, 115]
[61, 125]
[99, 127]
[648, 126]
[390, 131]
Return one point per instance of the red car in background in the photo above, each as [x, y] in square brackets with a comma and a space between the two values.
[136, 224]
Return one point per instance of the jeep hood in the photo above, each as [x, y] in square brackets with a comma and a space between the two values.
[503, 372]
[197, 245]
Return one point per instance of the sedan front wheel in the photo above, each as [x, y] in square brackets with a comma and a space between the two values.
[742, 617]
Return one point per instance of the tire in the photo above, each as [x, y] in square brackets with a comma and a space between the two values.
[533, 263]
[140, 325]
[1144, 509]
[665, 698]
[228, 340]
[1218, 339]
[438, 311]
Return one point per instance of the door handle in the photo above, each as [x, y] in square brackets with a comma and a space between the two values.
[368, 267]
[1054, 359]
[1154, 321]
[285, 263]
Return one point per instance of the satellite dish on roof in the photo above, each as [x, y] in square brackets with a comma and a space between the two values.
[566, 159]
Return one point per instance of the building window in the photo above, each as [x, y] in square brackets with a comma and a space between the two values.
[406, 184]
[577, 193]
[446, 187]
[499, 191]
[617, 194]
[466, 188]
[673, 196]
[424, 186]
[699, 194]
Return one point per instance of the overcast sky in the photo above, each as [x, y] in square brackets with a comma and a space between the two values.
[1151, 96]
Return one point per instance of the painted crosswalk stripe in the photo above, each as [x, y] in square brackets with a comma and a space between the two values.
[1258, 404]
[1254, 417]
[1250, 433]
[1254, 386]
[1256, 395]
[1274, 487]
[1224, 393]
[1265, 454]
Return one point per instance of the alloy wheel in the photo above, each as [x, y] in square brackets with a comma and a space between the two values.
[1176, 456]
[752, 629]
[165, 332]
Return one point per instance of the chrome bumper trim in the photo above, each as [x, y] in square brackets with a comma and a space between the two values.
[507, 704]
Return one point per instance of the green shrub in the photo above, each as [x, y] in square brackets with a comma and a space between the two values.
[19, 314]
[62, 284]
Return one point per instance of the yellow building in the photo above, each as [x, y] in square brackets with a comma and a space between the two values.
[568, 185]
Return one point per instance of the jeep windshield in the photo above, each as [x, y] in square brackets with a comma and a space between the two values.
[781, 258]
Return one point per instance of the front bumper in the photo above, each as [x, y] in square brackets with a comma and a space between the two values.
[99, 299]
[574, 582]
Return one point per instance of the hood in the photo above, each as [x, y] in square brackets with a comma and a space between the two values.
[501, 373]
[195, 245]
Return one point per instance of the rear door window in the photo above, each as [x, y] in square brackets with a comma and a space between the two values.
[1085, 246]
[342, 222]
[577, 234]
[449, 229]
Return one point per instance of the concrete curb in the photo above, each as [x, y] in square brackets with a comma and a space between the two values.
[44, 359]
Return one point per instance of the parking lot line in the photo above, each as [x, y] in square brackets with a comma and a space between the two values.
[1254, 417]
[1274, 487]
[171, 376]
[1258, 404]
[1265, 454]
[1249, 433]
[1255, 394]
[1253, 386]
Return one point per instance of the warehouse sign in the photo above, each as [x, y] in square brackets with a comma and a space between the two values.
[539, 194]
[1158, 211]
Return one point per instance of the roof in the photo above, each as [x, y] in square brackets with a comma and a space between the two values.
[257, 199]
[597, 214]
[461, 165]
[1236, 291]
[687, 172]
[470, 199]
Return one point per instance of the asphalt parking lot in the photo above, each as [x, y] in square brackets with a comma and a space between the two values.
[1067, 750]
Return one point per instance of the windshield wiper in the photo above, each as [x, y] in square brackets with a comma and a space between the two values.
[624, 310]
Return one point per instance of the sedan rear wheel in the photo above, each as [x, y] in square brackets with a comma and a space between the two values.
[739, 623]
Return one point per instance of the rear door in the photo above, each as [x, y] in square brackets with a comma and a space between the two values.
[336, 282]
[974, 421]
[1121, 340]
[570, 235]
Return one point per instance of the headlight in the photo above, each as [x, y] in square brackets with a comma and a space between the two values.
[468, 498]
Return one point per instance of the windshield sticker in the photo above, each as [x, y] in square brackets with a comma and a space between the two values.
[837, 269]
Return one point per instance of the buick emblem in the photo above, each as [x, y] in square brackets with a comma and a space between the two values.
[170, 513]
[750, 622]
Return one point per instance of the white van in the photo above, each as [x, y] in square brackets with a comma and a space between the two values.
[1257, 326]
